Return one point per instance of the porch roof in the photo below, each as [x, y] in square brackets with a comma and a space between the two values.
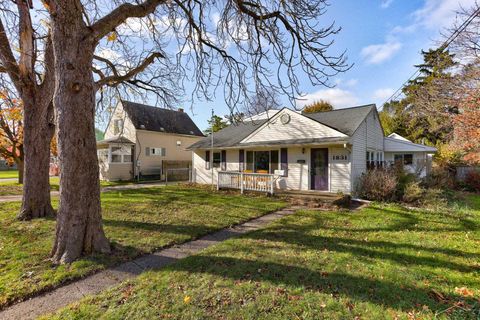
[278, 143]
[399, 145]
[114, 140]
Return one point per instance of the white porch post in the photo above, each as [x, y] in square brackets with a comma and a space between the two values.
[241, 182]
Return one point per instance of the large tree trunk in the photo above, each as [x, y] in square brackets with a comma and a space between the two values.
[38, 131]
[79, 228]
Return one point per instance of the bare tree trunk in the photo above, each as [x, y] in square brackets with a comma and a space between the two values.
[38, 131]
[20, 167]
[79, 228]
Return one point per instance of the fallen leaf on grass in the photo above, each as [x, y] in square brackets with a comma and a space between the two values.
[463, 291]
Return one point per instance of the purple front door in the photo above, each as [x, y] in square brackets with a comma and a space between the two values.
[319, 169]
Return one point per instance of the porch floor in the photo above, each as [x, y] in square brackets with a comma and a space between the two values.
[309, 194]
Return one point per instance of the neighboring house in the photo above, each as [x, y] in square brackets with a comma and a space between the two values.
[140, 139]
[325, 151]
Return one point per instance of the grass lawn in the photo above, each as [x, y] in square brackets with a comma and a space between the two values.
[136, 221]
[8, 188]
[8, 174]
[380, 262]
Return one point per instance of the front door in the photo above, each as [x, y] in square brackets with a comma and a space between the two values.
[319, 169]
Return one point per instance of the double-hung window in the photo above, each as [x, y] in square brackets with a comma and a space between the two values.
[217, 159]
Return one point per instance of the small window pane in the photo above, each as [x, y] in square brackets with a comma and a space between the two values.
[262, 161]
[217, 159]
[116, 158]
[250, 161]
[408, 158]
[128, 158]
[273, 161]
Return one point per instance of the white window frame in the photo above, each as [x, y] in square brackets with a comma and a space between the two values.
[158, 152]
[117, 126]
[126, 150]
[271, 170]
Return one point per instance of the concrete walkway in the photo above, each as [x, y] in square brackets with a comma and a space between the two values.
[18, 197]
[62, 296]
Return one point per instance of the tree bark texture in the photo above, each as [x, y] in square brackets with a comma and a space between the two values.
[38, 130]
[79, 228]
[21, 170]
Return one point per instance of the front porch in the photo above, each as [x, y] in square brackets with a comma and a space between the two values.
[319, 167]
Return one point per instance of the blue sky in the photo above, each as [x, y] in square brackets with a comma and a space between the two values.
[383, 39]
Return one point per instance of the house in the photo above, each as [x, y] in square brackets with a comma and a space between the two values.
[140, 140]
[325, 151]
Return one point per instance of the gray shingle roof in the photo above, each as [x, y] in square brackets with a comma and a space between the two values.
[229, 136]
[119, 140]
[344, 120]
[151, 118]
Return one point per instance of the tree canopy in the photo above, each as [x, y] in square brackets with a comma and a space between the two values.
[216, 123]
[424, 113]
[318, 106]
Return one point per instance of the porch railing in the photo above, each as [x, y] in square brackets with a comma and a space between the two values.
[246, 181]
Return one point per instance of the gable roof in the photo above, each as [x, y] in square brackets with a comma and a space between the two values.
[397, 136]
[229, 136]
[345, 120]
[145, 117]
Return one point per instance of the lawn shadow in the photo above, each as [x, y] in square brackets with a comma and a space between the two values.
[383, 293]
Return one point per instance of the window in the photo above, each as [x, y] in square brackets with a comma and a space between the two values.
[273, 161]
[405, 159]
[121, 154]
[217, 159]
[262, 161]
[159, 152]
[117, 126]
[250, 156]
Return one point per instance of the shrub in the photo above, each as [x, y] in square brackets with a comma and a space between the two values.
[433, 198]
[440, 177]
[413, 192]
[377, 185]
[472, 180]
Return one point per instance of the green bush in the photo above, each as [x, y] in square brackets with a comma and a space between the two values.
[433, 198]
[413, 192]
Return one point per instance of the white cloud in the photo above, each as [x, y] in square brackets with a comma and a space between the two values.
[378, 53]
[351, 83]
[380, 95]
[339, 98]
[437, 14]
[386, 3]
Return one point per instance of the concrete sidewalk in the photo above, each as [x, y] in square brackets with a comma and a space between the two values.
[62, 296]
[18, 197]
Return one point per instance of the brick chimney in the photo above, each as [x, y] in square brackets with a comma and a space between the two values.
[180, 110]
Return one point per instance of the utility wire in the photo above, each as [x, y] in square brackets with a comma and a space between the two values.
[443, 47]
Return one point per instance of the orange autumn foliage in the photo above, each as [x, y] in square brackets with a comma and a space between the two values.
[467, 128]
[11, 129]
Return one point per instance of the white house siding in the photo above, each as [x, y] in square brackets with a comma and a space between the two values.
[202, 175]
[128, 131]
[418, 157]
[298, 127]
[339, 170]
[368, 136]
[298, 175]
